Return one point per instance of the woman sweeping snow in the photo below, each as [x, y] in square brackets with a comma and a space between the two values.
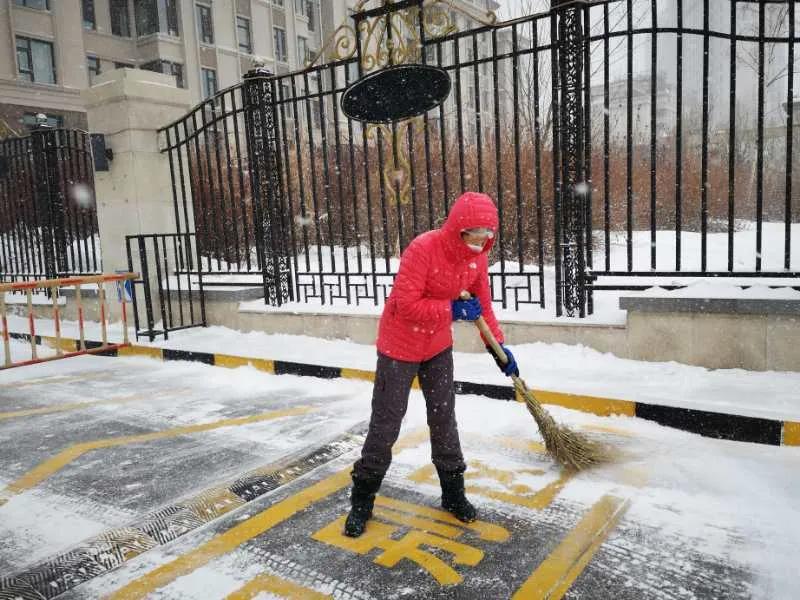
[415, 338]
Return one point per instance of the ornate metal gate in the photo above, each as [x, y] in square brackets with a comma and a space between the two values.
[48, 216]
[581, 151]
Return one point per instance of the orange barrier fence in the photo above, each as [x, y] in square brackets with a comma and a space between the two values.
[53, 285]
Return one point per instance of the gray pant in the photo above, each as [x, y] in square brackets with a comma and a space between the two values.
[393, 379]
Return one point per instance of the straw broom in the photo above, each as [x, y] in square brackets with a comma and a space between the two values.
[571, 449]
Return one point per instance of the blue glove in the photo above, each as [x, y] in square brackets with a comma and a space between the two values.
[508, 369]
[466, 310]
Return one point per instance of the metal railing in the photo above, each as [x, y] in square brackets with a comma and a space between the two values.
[52, 286]
[697, 150]
[171, 283]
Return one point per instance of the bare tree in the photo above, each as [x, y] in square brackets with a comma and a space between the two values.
[537, 67]
[776, 19]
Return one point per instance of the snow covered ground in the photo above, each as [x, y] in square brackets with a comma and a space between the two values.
[558, 367]
[704, 518]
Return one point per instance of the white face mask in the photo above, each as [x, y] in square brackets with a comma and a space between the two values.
[475, 247]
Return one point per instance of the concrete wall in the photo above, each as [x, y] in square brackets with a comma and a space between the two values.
[716, 333]
[712, 333]
[222, 308]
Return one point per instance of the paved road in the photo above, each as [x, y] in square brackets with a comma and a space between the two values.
[132, 478]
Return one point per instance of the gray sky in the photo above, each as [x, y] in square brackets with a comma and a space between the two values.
[516, 8]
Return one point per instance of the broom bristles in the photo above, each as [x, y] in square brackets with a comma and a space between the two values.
[571, 449]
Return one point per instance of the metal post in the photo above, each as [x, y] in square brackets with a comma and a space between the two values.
[262, 151]
[44, 182]
[572, 194]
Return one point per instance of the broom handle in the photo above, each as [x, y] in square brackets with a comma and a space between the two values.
[480, 323]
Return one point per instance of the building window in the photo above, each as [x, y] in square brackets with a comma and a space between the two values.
[149, 21]
[281, 52]
[31, 121]
[166, 67]
[172, 18]
[205, 24]
[209, 80]
[87, 10]
[36, 60]
[311, 13]
[124, 65]
[37, 4]
[120, 18]
[93, 66]
[146, 12]
[243, 32]
[302, 50]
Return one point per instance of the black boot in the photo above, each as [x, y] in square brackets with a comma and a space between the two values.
[453, 498]
[362, 498]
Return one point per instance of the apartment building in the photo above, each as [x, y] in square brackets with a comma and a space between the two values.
[52, 49]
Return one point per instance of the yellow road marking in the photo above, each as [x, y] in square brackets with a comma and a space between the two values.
[49, 467]
[519, 494]
[67, 344]
[358, 374]
[538, 501]
[791, 434]
[486, 531]
[554, 576]
[603, 407]
[44, 410]
[53, 379]
[247, 530]
[420, 523]
[411, 440]
[412, 546]
[233, 362]
[509, 442]
[608, 429]
[233, 538]
[277, 586]
[148, 351]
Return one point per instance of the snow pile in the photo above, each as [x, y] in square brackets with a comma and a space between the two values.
[720, 289]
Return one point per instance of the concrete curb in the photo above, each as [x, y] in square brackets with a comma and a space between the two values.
[718, 425]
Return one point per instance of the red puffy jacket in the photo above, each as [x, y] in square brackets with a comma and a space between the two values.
[435, 268]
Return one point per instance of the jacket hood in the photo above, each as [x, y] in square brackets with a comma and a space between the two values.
[470, 210]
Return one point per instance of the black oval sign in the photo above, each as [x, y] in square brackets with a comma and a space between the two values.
[396, 93]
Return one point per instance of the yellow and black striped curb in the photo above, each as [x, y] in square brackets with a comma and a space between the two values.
[726, 426]
[102, 553]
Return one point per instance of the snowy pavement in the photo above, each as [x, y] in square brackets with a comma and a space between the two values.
[93, 445]
[572, 369]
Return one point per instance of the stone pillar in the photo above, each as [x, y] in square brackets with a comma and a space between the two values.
[135, 195]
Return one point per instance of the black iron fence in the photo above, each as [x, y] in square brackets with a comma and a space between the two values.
[168, 296]
[48, 216]
[691, 140]
[626, 143]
